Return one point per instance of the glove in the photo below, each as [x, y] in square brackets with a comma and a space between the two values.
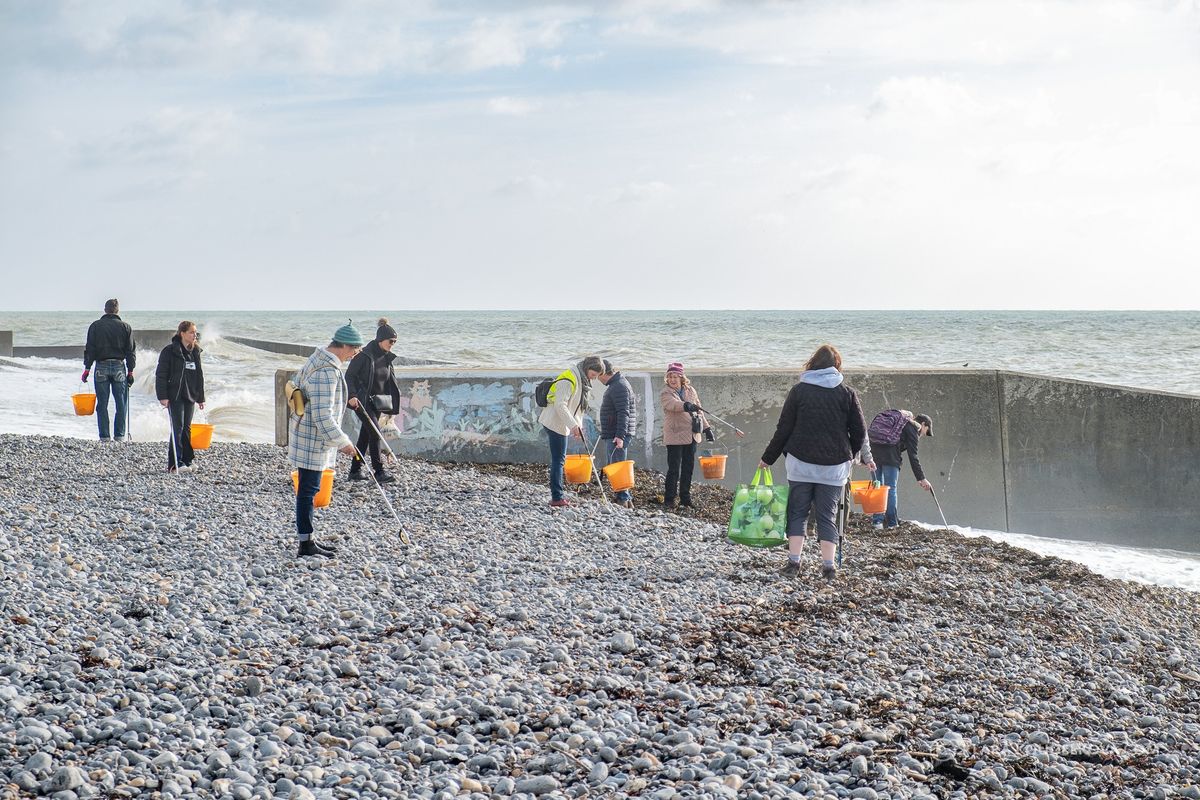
[691, 408]
[709, 436]
[84, 377]
[129, 379]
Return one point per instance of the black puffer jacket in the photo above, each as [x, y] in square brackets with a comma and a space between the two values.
[174, 379]
[889, 455]
[818, 425]
[618, 409]
[370, 373]
[109, 338]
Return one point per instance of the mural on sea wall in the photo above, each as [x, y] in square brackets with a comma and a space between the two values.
[468, 419]
[460, 413]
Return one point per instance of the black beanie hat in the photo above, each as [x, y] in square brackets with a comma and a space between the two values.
[385, 331]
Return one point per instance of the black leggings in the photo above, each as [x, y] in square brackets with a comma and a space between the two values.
[181, 441]
[367, 440]
[681, 458]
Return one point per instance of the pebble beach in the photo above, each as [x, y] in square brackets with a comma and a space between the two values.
[159, 638]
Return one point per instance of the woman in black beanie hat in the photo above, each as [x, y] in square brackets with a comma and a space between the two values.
[373, 391]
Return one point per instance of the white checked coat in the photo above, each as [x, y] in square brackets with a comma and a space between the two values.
[315, 436]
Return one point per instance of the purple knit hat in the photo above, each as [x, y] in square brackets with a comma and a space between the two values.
[676, 367]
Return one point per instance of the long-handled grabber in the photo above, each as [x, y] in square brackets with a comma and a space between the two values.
[174, 443]
[595, 472]
[939, 507]
[738, 431]
[378, 433]
[403, 534]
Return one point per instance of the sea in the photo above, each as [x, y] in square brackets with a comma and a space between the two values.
[1157, 350]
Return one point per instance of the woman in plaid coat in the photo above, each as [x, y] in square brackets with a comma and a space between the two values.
[314, 437]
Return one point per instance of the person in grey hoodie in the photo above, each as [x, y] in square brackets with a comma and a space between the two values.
[821, 428]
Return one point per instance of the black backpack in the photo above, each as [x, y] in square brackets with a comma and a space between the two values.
[541, 392]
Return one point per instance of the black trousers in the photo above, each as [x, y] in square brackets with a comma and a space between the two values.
[681, 459]
[181, 441]
[367, 439]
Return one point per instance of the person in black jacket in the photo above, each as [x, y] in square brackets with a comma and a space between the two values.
[821, 428]
[111, 348]
[179, 386]
[372, 385]
[618, 421]
[889, 457]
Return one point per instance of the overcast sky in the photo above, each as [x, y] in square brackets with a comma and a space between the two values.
[644, 154]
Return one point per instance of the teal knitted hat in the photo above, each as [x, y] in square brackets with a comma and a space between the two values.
[348, 334]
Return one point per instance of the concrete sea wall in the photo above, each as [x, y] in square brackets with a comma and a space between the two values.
[144, 339]
[1010, 452]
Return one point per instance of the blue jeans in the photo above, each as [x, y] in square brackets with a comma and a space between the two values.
[110, 377]
[889, 477]
[310, 484]
[616, 454]
[558, 457]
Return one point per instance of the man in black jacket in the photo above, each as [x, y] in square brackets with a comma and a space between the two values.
[110, 347]
[618, 421]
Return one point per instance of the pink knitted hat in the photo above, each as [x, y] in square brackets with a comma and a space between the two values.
[676, 367]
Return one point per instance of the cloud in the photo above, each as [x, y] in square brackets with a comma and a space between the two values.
[170, 135]
[923, 100]
[319, 38]
[512, 106]
[528, 186]
[643, 192]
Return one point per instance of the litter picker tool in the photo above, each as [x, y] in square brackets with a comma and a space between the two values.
[735, 428]
[939, 506]
[403, 534]
[595, 472]
[174, 443]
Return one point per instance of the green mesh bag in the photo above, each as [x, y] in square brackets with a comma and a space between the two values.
[759, 517]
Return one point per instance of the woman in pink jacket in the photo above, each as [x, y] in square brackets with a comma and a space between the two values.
[683, 426]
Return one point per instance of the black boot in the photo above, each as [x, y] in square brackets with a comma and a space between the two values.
[310, 548]
[356, 471]
[383, 476]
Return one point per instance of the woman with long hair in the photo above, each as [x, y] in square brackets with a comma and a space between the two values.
[179, 386]
[821, 428]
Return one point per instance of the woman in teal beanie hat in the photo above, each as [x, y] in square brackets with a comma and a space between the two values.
[317, 435]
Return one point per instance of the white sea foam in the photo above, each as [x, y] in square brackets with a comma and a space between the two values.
[1143, 565]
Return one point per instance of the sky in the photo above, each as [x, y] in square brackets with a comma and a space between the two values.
[852, 154]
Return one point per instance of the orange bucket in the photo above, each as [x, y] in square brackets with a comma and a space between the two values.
[201, 435]
[713, 467]
[578, 468]
[85, 404]
[856, 487]
[620, 475]
[324, 494]
[874, 501]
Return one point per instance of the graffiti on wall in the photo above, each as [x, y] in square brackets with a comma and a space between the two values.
[469, 413]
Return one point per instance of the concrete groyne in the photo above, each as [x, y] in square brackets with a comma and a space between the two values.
[145, 339]
[1010, 452]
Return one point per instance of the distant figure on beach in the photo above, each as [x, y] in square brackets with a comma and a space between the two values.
[313, 437]
[179, 386]
[111, 348]
[567, 402]
[618, 421]
[684, 426]
[821, 428]
[373, 391]
[892, 433]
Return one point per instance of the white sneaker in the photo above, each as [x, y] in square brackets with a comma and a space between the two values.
[877, 526]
